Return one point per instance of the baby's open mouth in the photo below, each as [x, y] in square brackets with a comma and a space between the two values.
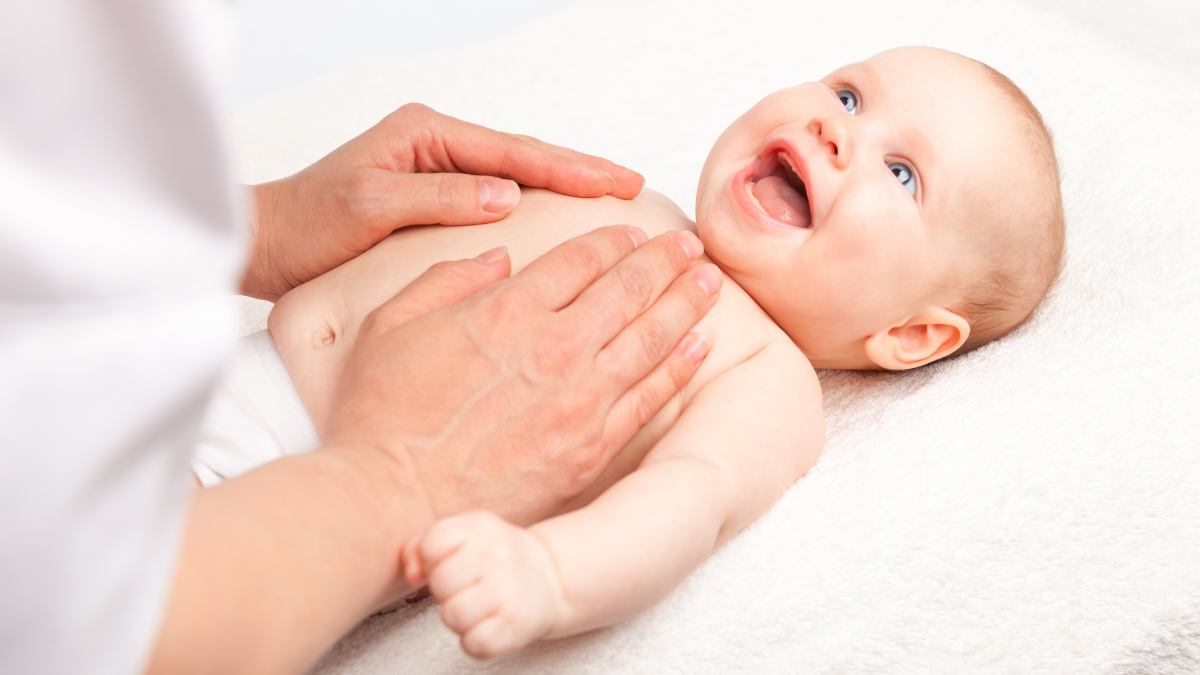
[780, 193]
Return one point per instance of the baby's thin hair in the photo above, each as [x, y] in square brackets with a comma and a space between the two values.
[1004, 296]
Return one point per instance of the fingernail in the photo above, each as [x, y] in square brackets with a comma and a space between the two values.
[498, 196]
[698, 348]
[709, 279]
[691, 244]
[495, 255]
[611, 181]
[636, 234]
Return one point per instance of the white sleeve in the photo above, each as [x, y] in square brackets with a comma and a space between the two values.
[119, 242]
[255, 415]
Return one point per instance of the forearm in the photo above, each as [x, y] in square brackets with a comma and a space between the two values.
[623, 553]
[279, 563]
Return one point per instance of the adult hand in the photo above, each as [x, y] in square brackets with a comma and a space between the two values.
[465, 391]
[410, 169]
[515, 399]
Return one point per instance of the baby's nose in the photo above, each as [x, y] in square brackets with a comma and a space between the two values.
[835, 136]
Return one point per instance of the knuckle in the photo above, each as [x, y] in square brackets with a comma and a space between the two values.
[653, 337]
[408, 118]
[449, 190]
[439, 269]
[357, 183]
[502, 305]
[645, 409]
[446, 272]
[636, 283]
[583, 477]
[619, 237]
[415, 109]
[363, 196]
[580, 255]
[581, 470]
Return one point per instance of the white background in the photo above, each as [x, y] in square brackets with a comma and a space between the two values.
[281, 43]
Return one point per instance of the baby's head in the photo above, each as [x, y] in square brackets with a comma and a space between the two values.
[898, 211]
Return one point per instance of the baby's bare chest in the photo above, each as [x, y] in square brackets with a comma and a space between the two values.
[316, 325]
[541, 221]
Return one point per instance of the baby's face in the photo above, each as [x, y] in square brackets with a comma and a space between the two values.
[842, 205]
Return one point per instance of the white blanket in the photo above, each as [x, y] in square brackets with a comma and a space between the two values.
[1033, 507]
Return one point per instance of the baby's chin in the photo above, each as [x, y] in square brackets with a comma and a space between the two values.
[714, 245]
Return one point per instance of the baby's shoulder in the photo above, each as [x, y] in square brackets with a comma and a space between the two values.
[740, 331]
[743, 336]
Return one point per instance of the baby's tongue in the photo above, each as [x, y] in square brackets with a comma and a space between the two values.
[781, 201]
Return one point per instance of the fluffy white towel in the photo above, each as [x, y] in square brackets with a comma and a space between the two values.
[1033, 507]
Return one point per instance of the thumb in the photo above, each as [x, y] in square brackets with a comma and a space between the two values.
[447, 199]
[410, 561]
[443, 285]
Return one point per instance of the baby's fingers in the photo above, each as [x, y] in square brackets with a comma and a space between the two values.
[455, 572]
[492, 637]
[443, 539]
[468, 607]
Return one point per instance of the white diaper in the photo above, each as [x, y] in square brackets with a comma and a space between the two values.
[255, 415]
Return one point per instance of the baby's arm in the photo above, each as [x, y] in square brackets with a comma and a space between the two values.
[742, 440]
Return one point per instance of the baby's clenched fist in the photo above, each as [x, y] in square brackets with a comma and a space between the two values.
[496, 582]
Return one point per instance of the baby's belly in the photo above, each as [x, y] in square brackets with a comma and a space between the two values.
[315, 325]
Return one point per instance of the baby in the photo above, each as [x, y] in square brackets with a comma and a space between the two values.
[899, 211]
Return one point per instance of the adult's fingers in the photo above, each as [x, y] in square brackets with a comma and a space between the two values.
[558, 277]
[637, 406]
[446, 144]
[393, 200]
[633, 285]
[441, 286]
[650, 337]
[629, 182]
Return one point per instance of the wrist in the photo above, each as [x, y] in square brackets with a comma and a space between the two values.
[398, 504]
[257, 280]
[561, 615]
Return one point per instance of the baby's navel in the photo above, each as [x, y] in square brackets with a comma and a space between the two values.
[325, 335]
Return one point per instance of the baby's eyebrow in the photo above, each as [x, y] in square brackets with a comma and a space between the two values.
[862, 72]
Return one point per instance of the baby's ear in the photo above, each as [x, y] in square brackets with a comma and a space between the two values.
[928, 336]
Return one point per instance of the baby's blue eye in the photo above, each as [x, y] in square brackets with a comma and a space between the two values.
[905, 176]
[848, 99]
